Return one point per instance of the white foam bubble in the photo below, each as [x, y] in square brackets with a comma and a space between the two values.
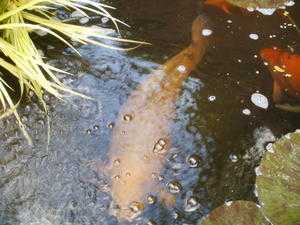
[253, 36]
[206, 32]
[260, 100]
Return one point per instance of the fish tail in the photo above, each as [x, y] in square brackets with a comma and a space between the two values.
[289, 108]
[200, 23]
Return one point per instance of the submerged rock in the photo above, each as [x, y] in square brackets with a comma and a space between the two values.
[278, 185]
[235, 213]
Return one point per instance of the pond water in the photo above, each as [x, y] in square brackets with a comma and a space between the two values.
[216, 123]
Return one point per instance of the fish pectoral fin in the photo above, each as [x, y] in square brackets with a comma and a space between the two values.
[277, 92]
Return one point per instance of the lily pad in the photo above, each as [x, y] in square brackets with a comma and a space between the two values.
[278, 181]
[258, 3]
[236, 213]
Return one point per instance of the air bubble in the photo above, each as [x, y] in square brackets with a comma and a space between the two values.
[175, 215]
[228, 203]
[136, 207]
[160, 146]
[233, 158]
[260, 100]
[246, 112]
[181, 68]
[104, 19]
[191, 204]
[206, 32]
[174, 187]
[110, 125]
[117, 162]
[127, 117]
[253, 36]
[151, 199]
[161, 178]
[88, 131]
[290, 3]
[84, 20]
[193, 161]
[212, 98]
[117, 177]
[128, 174]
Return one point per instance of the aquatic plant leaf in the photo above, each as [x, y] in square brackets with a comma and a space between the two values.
[22, 58]
[236, 213]
[278, 181]
[258, 3]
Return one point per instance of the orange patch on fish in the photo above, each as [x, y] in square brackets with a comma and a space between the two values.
[222, 4]
[285, 71]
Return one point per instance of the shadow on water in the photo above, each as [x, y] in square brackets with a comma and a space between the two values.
[59, 186]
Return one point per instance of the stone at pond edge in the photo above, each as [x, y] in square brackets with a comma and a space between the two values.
[236, 213]
[278, 186]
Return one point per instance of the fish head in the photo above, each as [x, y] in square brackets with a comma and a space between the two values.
[272, 56]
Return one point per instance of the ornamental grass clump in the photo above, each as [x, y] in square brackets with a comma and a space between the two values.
[20, 57]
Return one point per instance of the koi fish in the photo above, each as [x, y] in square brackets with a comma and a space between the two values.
[285, 71]
[141, 135]
[222, 4]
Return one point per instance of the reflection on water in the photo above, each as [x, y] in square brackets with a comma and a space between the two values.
[218, 135]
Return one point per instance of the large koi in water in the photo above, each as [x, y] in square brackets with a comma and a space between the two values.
[285, 71]
[141, 136]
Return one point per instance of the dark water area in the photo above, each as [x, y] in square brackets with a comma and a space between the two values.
[230, 72]
[216, 120]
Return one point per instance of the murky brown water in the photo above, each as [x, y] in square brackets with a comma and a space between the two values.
[58, 186]
[231, 73]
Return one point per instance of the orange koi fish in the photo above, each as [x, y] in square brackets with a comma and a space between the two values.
[285, 71]
[222, 4]
[141, 136]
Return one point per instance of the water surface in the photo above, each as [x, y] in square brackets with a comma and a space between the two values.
[59, 186]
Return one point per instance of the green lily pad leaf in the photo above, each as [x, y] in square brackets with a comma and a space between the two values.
[236, 213]
[278, 181]
[258, 3]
